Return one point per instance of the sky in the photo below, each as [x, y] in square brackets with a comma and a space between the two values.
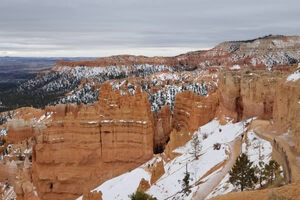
[139, 27]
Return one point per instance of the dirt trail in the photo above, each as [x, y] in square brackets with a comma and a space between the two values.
[207, 187]
[282, 151]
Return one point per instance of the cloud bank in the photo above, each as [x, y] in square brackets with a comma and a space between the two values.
[149, 27]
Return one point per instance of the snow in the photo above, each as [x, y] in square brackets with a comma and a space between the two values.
[28, 151]
[3, 131]
[294, 76]
[41, 118]
[49, 115]
[120, 187]
[257, 149]
[235, 67]
[170, 184]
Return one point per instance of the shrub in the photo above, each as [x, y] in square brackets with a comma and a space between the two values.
[140, 195]
[217, 146]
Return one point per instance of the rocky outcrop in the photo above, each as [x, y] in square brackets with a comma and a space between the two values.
[19, 130]
[286, 113]
[85, 145]
[144, 185]
[192, 111]
[157, 171]
[290, 191]
[163, 127]
[92, 196]
[248, 94]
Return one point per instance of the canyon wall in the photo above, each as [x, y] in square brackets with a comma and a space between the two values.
[163, 127]
[19, 130]
[248, 94]
[85, 145]
[287, 110]
[192, 111]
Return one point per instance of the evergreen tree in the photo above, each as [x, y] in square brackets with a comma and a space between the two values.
[243, 174]
[196, 145]
[139, 195]
[260, 171]
[270, 170]
[186, 182]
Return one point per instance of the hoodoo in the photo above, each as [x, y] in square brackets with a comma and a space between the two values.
[109, 126]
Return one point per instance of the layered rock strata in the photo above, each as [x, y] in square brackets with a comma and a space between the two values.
[86, 145]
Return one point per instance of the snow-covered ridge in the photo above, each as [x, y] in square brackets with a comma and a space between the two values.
[170, 85]
[64, 79]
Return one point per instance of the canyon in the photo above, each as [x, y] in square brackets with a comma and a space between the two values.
[126, 111]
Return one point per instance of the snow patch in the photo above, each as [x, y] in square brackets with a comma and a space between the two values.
[234, 67]
[120, 187]
[294, 76]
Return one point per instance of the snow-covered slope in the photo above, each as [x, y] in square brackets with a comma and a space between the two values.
[257, 150]
[169, 185]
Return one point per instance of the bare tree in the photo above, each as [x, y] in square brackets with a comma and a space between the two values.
[196, 145]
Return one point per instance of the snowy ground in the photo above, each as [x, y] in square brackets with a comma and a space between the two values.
[257, 150]
[169, 186]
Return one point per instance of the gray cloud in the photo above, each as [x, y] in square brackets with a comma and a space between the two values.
[152, 27]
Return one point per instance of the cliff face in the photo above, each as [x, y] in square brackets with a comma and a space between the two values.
[192, 111]
[287, 109]
[163, 127]
[19, 130]
[87, 145]
[248, 94]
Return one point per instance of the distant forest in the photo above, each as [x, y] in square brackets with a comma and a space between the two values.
[17, 70]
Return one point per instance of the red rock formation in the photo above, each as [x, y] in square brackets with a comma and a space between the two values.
[86, 145]
[144, 185]
[287, 109]
[163, 128]
[19, 130]
[192, 111]
[92, 196]
[247, 94]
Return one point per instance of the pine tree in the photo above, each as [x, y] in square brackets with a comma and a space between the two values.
[186, 182]
[196, 145]
[260, 171]
[243, 174]
[270, 170]
[140, 195]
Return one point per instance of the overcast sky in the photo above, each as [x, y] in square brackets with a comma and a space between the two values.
[149, 27]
